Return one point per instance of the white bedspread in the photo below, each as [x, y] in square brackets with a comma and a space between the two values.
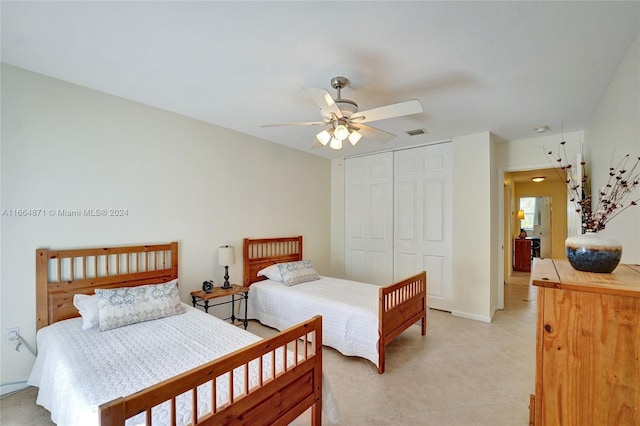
[349, 311]
[77, 370]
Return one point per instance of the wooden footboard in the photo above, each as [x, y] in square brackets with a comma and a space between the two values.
[401, 305]
[289, 391]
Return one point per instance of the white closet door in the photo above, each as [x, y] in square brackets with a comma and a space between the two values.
[369, 218]
[422, 219]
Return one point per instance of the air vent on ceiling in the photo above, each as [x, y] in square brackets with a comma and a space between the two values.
[416, 132]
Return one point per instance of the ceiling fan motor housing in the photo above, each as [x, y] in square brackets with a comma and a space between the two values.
[346, 107]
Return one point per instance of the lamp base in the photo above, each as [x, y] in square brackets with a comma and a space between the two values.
[226, 284]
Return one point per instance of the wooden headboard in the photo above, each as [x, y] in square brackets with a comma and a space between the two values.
[262, 252]
[62, 273]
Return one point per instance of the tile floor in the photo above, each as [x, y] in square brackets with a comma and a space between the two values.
[463, 372]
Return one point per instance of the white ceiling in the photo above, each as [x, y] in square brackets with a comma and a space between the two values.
[505, 67]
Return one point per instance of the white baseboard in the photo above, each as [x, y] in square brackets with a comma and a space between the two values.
[483, 318]
[13, 387]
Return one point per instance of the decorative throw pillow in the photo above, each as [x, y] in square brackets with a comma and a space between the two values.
[88, 307]
[297, 272]
[128, 305]
[272, 272]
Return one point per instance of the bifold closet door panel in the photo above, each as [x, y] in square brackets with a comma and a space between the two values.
[369, 218]
[422, 219]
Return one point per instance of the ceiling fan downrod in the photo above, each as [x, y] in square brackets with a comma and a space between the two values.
[338, 83]
[346, 106]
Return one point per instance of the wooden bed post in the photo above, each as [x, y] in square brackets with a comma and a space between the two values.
[245, 263]
[400, 306]
[424, 302]
[174, 259]
[112, 413]
[42, 298]
[316, 408]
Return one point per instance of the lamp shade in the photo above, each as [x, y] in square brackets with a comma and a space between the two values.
[341, 132]
[335, 143]
[324, 137]
[520, 215]
[226, 256]
[354, 137]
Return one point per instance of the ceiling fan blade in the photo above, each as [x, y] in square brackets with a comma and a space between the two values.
[369, 132]
[389, 111]
[323, 99]
[301, 123]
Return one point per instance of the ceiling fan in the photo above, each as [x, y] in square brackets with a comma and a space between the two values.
[343, 121]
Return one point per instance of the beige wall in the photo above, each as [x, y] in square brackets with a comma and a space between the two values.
[337, 218]
[67, 147]
[529, 154]
[473, 254]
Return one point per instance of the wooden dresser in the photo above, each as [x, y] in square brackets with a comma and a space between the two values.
[587, 346]
[522, 254]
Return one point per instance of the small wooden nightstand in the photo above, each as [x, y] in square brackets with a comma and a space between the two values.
[200, 298]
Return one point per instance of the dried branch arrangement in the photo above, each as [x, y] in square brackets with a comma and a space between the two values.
[613, 198]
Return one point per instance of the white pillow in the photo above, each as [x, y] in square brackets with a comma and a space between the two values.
[297, 272]
[272, 272]
[88, 307]
[128, 305]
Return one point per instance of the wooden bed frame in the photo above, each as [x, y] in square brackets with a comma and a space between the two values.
[278, 401]
[401, 304]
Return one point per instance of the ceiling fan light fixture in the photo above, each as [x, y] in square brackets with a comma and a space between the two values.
[335, 143]
[354, 137]
[341, 132]
[343, 120]
[324, 137]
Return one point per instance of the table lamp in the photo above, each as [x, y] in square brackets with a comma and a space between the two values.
[226, 257]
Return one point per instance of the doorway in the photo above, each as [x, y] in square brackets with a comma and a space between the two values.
[537, 223]
[519, 183]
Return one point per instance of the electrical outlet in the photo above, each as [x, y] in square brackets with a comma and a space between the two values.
[11, 334]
